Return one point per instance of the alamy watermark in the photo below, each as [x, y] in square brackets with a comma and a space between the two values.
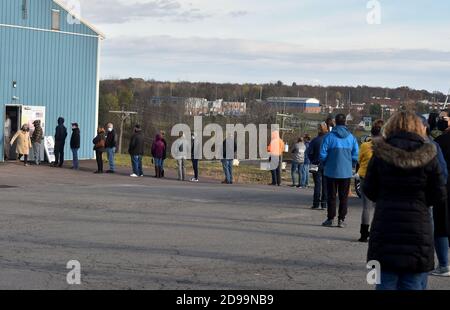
[374, 274]
[74, 275]
[74, 7]
[234, 140]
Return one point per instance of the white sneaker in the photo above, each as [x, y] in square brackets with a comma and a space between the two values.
[134, 175]
[141, 176]
[194, 180]
[441, 272]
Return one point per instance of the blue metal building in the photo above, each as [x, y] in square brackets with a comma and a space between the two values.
[49, 57]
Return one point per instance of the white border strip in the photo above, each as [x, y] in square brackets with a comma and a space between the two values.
[54, 31]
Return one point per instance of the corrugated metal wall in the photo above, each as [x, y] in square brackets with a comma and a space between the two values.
[52, 69]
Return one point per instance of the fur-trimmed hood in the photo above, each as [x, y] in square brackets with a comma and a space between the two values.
[401, 158]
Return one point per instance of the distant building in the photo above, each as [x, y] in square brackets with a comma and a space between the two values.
[203, 107]
[295, 104]
[196, 106]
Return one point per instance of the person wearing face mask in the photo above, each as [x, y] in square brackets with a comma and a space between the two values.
[23, 145]
[110, 146]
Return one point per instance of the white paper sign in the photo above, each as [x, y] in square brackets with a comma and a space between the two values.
[49, 146]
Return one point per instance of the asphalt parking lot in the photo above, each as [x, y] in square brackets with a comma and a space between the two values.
[164, 234]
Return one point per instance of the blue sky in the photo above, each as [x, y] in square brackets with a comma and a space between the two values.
[326, 42]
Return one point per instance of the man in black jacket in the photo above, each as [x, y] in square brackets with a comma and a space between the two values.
[320, 181]
[136, 151]
[75, 145]
[60, 142]
[110, 145]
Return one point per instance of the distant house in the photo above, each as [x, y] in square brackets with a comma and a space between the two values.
[295, 104]
[49, 67]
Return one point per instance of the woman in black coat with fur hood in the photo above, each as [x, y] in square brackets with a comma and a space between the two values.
[404, 179]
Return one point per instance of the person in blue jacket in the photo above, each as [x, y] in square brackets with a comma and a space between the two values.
[338, 155]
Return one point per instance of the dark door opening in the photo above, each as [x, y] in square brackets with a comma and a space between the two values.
[11, 126]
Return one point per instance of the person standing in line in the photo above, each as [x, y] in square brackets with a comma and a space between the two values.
[60, 143]
[298, 160]
[23, 145]
[229, 149]
[7, 137]
[136, 151]
[36, 140]
[195, 151]
[365, 155]
[158, 151]
[75, 145]
[181, 156]
[99, 148]
[404, 179]
[442, 231]
[320, 181]
[163, 135]
[111, 146]
[330, 124]
[306, 165]
[276, 149]
[338, 154]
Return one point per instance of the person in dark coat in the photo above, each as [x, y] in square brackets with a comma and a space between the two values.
[99, 148]
[195, 155]
[442, 232]
[136, 151]
[158, 151]
[110, 145]
[36, 141]
[404, 179]
[60, 143]
[320, 183]
[75, 145]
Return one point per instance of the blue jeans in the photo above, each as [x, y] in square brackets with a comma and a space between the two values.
[75, 162]
[320, 189]
[158, 162]
[296, 168]
[441, 245]
[305, 175]
[228, 170]
[111, 151]
[136, 164]
[391, 281]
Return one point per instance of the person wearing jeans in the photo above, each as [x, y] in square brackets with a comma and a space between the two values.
[110, 145]
[306, 164]
[320, 184]
[227, 165]
[136, 164]
[75, 145]
[338, 155]
[391, 281]
[36, 140]
[136, 151]
[320, 190]
[158, 151]
[229, 149]
[298, 160]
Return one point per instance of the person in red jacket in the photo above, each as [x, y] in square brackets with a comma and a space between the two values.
[158, 152]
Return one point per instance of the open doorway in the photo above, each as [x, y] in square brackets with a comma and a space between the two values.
[11, 126]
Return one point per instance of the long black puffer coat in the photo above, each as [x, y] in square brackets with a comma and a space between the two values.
[404, 179]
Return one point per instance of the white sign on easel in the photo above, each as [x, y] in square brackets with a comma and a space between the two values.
[49, 146]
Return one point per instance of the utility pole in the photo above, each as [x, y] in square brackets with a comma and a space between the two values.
[124, 115]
